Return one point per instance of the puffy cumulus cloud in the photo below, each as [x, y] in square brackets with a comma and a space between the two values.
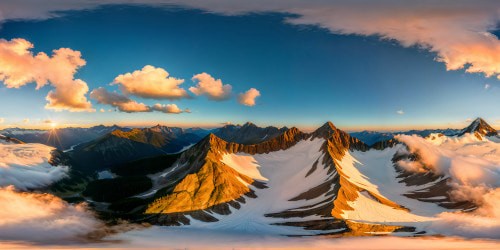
[151, 82]
[44, 218]
[168, 108]
[26, 166]
[213, 88]
[474, 167]
[19, 66]
[125, 104]
[102, 110]
[458, 31]
[248, 98]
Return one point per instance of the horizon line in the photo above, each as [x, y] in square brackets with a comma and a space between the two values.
[305, 128]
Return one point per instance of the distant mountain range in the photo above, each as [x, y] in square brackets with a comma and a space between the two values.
[478, 125]
[60, 138]
[248, 133]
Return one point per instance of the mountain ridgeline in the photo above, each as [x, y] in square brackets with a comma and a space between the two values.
[303, 180]
[243, 177]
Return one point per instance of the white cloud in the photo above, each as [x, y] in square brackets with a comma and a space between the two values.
[2, 120]
[213, 88]
[400, 112]
[19, 66]
[151, 82]
[102, 110]
[248, 98]
[125, 104]
[487, 86]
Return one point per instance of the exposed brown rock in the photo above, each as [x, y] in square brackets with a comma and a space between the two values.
[381, 145]
[440, 188]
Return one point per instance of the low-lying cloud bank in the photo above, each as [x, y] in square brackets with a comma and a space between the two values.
[26, 166]
[37, 217]
[44, 218]
[473, 166]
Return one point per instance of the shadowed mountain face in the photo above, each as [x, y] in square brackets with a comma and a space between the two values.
[119, 146]
[249, 133]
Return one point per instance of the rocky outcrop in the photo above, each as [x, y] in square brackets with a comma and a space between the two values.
[381, 145]
[437, 186]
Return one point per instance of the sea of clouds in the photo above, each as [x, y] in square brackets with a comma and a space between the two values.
[473, 165]
[38, 217]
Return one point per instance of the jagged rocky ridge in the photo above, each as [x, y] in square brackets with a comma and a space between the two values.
[248, 133]
[207, 185]
[204, 186]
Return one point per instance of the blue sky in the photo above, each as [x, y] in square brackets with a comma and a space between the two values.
[306, 74]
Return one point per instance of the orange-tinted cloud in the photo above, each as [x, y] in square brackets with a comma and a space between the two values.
[458, 31]
[19, 66]
[213, 88]
[152, 83]
[37, 217]
[125, 104]
[248, 98]
[168, 108]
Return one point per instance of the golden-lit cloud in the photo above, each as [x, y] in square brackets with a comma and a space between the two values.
[2, 120]
[152, 83]
[26, 120]
[168, 108]
[125, 104]
[213, 88]
[37, 217]
[19, 66]
[458, 31]
[248, 98]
